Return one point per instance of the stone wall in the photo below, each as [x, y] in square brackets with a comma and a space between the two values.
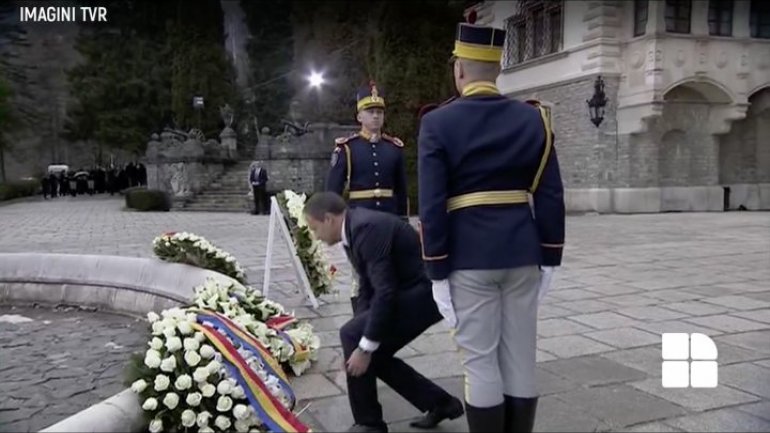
[300, 163]
[587, 154]
[744, 153]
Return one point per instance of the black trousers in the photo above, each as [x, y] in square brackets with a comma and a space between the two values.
[261, 205]
[414, 314]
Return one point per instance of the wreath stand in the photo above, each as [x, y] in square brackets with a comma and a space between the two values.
[277, 217]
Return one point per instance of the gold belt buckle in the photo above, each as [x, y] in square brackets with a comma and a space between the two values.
[377, 192]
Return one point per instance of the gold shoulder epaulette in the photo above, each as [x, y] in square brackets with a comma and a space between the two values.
[395, 140]
[339, 141]
[533, 102]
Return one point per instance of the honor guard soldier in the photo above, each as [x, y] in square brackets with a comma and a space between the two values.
[481, 159]
[367, 168]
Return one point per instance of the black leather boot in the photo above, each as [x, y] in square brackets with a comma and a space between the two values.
[485, 419]
[520, 414]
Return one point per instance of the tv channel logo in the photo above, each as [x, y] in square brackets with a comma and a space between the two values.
[689, 360]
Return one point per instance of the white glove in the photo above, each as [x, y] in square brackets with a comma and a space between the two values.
[443, 299]
[546, 274]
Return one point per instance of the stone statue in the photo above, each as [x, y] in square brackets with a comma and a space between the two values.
[227, 115]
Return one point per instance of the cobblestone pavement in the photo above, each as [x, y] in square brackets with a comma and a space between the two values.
[54, 363]
[625, 280]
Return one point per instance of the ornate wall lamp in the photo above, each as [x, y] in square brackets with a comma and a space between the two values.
[597, 102]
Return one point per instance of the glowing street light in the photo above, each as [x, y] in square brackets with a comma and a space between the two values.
[316, 79]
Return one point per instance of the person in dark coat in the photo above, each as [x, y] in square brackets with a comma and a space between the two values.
[45, 185]
[258, 183]
[394, 307]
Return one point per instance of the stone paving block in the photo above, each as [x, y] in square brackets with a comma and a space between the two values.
[756, 316]
[556, 327]
[329, 338]
[434, 343]
[551, 311]
[550, 383]
[438, 365]
[675, 326]
[762, 296]
[765, 363]
[604, 320]
[727, 323]
[338, 378]
[333, 323]
[635, 300]
[571, 346]
[746, 377]
[612, 289]
[703, 399]
[544, 356]
[761, 409]
[650, 427]
[651, 313]
[585, 306]
[749, 285]
[570, 418]
[408, 351]
[754, 341]
[646, 359]
[624, 338]
[621, 405]
[592, 370]
[329, 359]
[722, 420]
[335, 309]
[333, 413]
[730, 354]
[737, 302]
[651, 285]
[310, 386]
[573, 294]
[696, 308]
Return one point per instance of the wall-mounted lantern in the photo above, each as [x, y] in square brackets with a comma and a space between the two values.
[597, 102]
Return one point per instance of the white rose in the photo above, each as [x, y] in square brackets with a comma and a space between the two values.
[156, 343]
[183, 382]
[157, 328]
[139, 386]
[188, 418]
[203, 419]
[192, 358]
[222, 422]
[152, 317]
[214, 366]
[191, 344]
[169, 364]
[199, 337]
[238, 393]
[224, 387]
[208, 390]
[156, 426]
[206, 430]
[161, 382]
[224, 404]
[194, 399]
[242, 426]
[171, 400]
[241, 412]
[152, 353]
[150, 404]
[207, 352]
[173, 344]
[201, 374]
[185, 328]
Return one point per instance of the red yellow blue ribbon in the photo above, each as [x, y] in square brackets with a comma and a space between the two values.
[270, 410]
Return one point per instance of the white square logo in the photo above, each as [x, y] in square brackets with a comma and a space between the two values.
[689, 360]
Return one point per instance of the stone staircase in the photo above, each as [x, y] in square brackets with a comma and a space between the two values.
[228, 193]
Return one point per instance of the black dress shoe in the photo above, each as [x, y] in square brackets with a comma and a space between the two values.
[358, 428]
[452, 410]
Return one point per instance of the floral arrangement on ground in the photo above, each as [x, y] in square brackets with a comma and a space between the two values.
[220, 363]
[310, 250]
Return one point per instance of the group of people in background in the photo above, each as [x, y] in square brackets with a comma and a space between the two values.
[97, 180]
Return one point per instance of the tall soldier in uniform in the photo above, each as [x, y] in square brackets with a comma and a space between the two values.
[367, 168]
[480, 157]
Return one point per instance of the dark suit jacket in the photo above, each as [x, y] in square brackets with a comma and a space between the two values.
[258, 175]
[393, 285]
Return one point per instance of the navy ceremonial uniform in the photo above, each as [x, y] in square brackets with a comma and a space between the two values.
[368, 170]
[481, 158]
[393, 308]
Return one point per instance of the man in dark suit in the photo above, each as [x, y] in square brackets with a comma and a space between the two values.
[258, 182]
[394, 306]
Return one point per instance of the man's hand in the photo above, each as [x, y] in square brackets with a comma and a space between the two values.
[443, 299]
[358, 362]
[546, 274]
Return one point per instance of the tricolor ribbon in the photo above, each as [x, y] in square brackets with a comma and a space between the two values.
[249, 342]
[278, 323]
[270, 410]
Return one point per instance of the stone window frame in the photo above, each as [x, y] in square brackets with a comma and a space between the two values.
[641, 15]
[534, 31]
[678, 16]
[759, 19]
[720, 18]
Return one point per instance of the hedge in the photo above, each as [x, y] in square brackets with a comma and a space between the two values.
[19, 188]
[143, 199]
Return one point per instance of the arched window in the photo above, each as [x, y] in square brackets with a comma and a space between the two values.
[535, 30]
